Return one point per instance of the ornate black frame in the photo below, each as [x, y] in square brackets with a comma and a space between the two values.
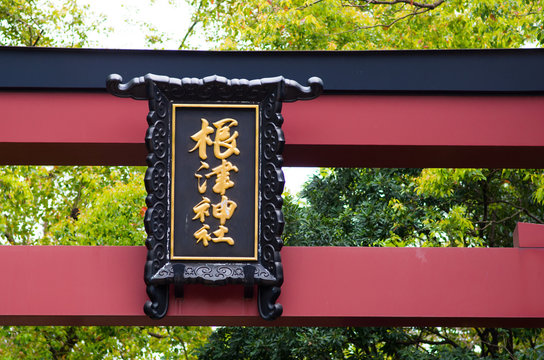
[160, 270]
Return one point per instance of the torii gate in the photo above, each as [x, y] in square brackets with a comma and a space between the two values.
[458, 108]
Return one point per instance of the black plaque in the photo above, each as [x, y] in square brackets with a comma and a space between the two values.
[214, 183]
[240, 169]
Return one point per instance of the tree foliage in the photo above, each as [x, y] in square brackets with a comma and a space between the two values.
[44, 23]
[369, 24]
[373, 343]
[414, 207]
[68, 205]
[100, 342]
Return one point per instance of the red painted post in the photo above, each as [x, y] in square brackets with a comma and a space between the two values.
[529, 235]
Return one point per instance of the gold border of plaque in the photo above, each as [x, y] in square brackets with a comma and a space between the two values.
[256, 240]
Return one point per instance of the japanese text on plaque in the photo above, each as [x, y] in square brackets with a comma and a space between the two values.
[224, 146]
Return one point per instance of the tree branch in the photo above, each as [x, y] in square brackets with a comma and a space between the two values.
[414, 13]
[497, 347]
[417, 4]
[449, 341]
[308, 5]
[155, 335]
[7, 232]
[187, 34]
[529, 12]
[190, 30]
[527, 212]
[428, 342]
[37, 39]
[491, 222]
[484, 188]
[74, 212]
[9, 238]
[182, 342]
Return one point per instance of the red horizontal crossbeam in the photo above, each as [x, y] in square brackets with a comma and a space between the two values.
[332, 130]
[337, 286]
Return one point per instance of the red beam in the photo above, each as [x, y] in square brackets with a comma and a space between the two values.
[333, 130]
[323, 286]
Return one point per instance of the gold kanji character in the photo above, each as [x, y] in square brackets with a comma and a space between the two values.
[202, 235]
[223, 181]
[202, 139]
[224, 210]
[201, 187]
[223, 138]
[202, 209]
[220, 235]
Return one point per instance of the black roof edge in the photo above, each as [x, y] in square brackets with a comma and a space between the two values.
[485, 71]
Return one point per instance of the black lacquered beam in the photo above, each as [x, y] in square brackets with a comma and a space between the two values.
[430, 71]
